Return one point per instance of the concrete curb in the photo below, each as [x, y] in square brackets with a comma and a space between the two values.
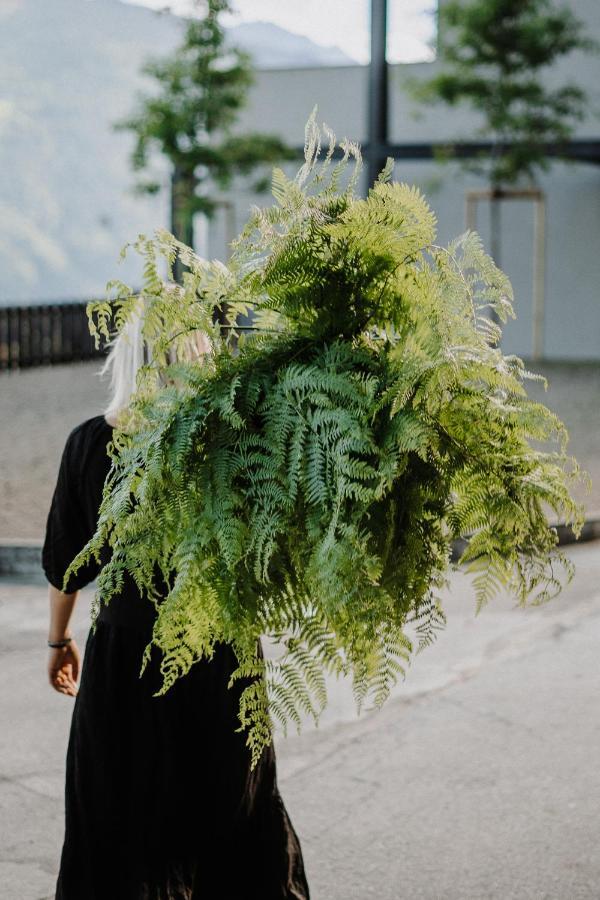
[20, 557]
[24, 558]
[589, 532]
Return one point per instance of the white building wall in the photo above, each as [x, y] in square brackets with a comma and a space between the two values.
[282, 100]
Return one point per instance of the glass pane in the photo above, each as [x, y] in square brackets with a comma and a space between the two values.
[411, 31]
[339, 28]
[321, 32]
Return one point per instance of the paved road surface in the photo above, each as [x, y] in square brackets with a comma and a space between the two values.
[479, 780]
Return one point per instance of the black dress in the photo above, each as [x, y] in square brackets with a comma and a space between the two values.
[161, 803]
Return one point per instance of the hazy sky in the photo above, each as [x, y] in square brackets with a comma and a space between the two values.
[344, 23]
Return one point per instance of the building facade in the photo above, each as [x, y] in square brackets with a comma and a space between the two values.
[282, 100]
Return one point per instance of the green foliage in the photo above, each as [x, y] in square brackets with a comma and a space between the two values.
[306, 482]
[494, 57]
[200, 91]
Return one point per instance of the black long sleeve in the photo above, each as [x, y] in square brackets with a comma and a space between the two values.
[74, 509]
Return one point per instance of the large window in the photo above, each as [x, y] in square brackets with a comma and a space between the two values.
[323, 32]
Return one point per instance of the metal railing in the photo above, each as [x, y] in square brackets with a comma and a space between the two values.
[44, 334]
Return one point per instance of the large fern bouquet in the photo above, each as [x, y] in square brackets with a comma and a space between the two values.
[306, 479]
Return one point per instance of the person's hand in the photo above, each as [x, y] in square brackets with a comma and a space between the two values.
[63, 668]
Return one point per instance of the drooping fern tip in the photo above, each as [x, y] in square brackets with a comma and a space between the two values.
[306, 480]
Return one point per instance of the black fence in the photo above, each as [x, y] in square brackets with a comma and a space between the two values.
[42, 335]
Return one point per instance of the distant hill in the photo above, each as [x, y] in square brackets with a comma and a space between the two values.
[274, 47]
[68, 70]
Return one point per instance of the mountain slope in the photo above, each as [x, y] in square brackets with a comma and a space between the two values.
[274, 47]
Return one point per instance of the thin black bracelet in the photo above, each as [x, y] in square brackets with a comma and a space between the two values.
[63, 643]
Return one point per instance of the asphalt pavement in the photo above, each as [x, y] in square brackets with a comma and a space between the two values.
[478, 780]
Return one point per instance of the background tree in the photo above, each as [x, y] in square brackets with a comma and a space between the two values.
[494, 57]
[201, 89]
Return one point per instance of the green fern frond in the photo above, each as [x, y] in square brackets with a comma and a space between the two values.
[306, 482]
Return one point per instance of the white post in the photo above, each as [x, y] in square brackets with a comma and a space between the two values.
[471, 198]
[539, 272]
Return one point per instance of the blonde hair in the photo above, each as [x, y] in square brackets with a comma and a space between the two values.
[129, 352]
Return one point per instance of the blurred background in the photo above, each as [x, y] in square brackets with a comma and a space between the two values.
[120, 117]
[86, 164]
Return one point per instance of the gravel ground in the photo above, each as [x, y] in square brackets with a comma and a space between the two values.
[39, 407]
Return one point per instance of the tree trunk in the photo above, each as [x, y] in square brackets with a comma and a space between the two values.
[182, 219]
[183, 186]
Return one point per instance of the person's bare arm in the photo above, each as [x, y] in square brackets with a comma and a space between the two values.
[63, 662]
